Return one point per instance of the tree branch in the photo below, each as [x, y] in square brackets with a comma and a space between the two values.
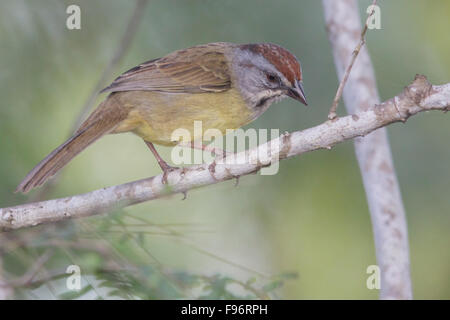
[417, 97]
[373, 152]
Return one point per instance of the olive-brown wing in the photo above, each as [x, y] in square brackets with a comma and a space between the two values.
[195, 70]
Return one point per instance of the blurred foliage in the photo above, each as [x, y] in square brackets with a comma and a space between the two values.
[115, 263]
[221, 242]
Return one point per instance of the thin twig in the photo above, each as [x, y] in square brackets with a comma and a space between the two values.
[332, 114]
[30, 274]
[122, 48]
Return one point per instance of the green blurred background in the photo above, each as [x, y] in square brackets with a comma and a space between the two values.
[311, 218]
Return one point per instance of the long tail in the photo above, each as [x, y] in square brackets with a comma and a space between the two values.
[102, 121]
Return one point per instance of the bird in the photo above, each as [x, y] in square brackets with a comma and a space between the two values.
[224, 85]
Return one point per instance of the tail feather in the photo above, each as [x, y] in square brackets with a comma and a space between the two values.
[90, 131]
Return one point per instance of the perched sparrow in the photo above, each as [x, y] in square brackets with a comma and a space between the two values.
[224, 85]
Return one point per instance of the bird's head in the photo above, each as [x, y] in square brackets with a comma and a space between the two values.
[265, 73]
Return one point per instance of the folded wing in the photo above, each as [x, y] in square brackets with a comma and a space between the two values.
[196, 70]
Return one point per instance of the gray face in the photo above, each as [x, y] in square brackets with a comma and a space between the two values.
[260, 82]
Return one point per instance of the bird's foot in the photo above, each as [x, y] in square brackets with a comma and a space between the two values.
[166, 170]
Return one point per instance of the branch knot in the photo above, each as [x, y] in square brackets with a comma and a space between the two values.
[419, 89]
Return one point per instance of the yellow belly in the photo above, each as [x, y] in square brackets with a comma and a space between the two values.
[155, 116]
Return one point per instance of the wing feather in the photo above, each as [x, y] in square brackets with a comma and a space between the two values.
[198, 69]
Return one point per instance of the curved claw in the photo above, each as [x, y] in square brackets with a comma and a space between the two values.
[166, 170]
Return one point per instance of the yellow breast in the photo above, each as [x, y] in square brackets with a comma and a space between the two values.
[155, 116]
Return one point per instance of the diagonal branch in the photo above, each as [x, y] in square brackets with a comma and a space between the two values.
[417, 97]
[122, 48]
[29, 276]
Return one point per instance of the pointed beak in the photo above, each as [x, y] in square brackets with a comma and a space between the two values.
[298, 93]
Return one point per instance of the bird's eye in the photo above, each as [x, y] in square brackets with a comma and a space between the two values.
[272, 77]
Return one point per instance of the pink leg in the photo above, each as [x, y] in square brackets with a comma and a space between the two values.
[164, 166]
